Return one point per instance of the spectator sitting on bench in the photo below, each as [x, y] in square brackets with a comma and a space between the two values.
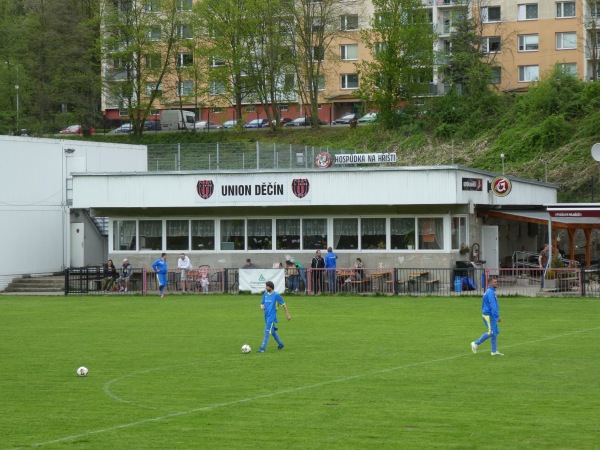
[125, 274]
[359, 271]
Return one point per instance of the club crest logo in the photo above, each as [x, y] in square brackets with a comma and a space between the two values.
[323, 160]
[300, 187]
[205, 188]
[501, 186]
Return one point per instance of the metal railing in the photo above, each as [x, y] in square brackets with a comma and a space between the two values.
[374, 281]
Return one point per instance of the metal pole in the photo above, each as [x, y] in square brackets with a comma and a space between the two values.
[257, 154]
[178, 165]
[218, 158]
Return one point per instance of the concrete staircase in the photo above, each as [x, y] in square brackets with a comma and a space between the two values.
[51, 284]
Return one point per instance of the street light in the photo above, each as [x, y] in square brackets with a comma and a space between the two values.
[17, 88]
[502, 156]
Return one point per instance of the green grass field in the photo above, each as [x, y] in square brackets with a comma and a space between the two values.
[356, 373]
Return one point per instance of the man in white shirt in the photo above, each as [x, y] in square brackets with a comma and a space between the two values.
[184, 264]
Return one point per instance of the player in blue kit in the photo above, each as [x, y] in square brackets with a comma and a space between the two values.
[270, 302]
[160, 268]
[491, 316]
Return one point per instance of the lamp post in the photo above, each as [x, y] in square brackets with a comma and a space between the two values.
[502, 156]
[17, 88]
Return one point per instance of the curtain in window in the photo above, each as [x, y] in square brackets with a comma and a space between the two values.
[372, 227]
[203, 228]
[150, 228]
[402, 226]
[288, 227]
[314, 227]
[259, 227]
[232, 228]
[177, 227]
[124, 235]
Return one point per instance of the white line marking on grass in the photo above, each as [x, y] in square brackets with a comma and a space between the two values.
[274, 394]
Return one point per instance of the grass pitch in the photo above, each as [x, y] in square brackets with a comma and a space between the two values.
[355, 373]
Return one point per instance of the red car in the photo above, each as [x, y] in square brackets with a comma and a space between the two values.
[75, 129]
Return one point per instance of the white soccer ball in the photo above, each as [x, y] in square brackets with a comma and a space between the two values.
[82, 371]
[246, 348]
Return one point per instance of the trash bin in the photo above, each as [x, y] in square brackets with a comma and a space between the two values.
[463, 269]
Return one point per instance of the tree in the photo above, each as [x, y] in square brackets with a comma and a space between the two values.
[592, 43]
[401, 42]
[139, 40]
[314, 26]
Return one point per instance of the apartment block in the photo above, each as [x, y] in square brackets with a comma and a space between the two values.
[522, 40]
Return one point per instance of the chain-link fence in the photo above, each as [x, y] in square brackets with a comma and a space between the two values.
[235, 156]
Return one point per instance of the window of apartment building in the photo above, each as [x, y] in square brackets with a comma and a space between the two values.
[458, 231]
[260, 234]
[528, 74]
[491, 44]
[379, 48]
[317, 25]
[349, 52]
[289, 82]
[320, 83]
[349, 22]
[185, 88]
[594, 10]
[496, 75]
[250, 108]
[527, 12]
[349, 81]
[215, 61]
[529, 42]
[184, 31]
[565, 9]
[152, 6]
[184, 5]
[490, 14]
[185, 60]
[568, 68]
[566, 41]
[203, 235]
[318, 53]
[153, 61]
[154, 34]
[216, 87]
[151, 87]
[283, 108]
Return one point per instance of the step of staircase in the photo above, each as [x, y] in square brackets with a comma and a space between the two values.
[50, 284]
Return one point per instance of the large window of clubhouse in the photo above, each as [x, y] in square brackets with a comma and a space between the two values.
[271, 234]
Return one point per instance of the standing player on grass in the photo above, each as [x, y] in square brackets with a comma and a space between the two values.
[269, 304]
[160, 268]
[491, 316]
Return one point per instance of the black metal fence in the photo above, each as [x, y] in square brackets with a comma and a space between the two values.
[374, 281]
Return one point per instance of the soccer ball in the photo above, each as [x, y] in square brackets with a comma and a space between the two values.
[82, 371]
[245, 349]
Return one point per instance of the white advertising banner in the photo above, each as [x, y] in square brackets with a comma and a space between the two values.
[254, 280]
[366, 158]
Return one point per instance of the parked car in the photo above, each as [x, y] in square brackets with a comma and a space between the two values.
[125, 128]
[75, 129]
[152, 125]
[283, 121]
[346, 118]
[205, 125]
[257, 123]
[368, 118]
[302, 122]
[228, 124]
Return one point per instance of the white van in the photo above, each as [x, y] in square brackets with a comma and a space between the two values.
[175, 119]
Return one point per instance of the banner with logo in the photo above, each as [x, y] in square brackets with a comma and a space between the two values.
[254, 280]
[257, 188]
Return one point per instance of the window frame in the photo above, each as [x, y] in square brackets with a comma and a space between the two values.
[560, 10]
[344, 21]
[345, 83]
[560, 37]
[523, 68]
[486, 15]
[344, 52]
[522, 45]
[486, 44]
[522, 11]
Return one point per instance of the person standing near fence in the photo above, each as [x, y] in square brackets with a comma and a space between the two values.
[160, 268]
[185, 265]
[317, 265]
[491, 316]
[543, 259]
[124, 275]
[330, 266]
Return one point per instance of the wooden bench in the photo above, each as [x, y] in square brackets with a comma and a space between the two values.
[432, 285]
[358, 285]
